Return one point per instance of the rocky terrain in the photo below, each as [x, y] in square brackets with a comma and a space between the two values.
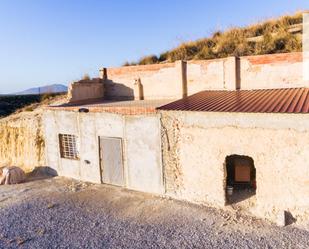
[63, 213]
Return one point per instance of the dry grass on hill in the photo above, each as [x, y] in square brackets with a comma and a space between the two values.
[269, 37]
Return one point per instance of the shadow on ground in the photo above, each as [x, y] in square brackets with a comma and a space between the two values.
[40, 173]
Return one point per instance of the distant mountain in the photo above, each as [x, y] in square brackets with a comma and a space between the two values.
[55, 88]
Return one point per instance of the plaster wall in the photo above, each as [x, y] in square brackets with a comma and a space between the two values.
[272, 71]
[141, 146]
[172, 80]
[55, 124]
[159, 81]
[251, 72]
[205, 74]
[218, 74]
[84, 90]
[144, 153]
[195, 146]
[306, 46]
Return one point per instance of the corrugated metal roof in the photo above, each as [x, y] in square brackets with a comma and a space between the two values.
[288, 100]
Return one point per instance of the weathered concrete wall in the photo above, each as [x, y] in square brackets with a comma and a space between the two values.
[86, 89]
[211, 75]
[272, 71]
[52, 127]
[175, 80]
[306, 46]
[251, 72]
[142, 154]
[22, 142]
[159, 81]
[195, 146]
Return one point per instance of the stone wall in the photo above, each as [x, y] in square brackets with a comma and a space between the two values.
[22, 141]
[195, 146]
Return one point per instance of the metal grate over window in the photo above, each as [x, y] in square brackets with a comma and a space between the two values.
[68, 146]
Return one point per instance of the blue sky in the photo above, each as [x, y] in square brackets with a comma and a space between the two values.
[57, 41]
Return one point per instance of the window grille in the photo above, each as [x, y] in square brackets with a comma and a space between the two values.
[68, 146]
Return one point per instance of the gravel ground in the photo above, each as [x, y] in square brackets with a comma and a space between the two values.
[62, 213]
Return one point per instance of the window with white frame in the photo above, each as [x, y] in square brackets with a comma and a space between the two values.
[68, 146]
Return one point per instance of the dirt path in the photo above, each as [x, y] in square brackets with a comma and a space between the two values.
[61, 213]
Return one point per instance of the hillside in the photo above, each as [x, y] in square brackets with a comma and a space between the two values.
[21, 129]
[279, 35]
[16, 103]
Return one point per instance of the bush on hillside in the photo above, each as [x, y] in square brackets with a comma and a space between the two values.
[12, 103]
[270, 37]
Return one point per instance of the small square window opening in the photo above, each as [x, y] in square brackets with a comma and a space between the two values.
[68, 146]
